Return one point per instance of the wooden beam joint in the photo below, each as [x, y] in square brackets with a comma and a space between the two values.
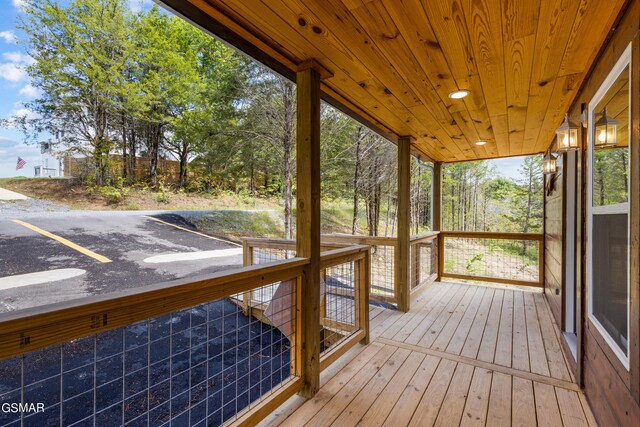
[313, 64]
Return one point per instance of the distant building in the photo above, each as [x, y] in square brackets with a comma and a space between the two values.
[51, 163]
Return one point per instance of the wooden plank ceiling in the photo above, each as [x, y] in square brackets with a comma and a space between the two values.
[394, 62]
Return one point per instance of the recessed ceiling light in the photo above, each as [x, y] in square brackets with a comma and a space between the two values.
[459, 94]
[481, 142]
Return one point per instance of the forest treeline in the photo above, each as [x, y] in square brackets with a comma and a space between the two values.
[147, 84]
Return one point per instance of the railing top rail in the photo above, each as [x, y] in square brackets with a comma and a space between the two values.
[362, 240]
[337, 240]
[38, 327]
[493, 235]
[429, 235]
[342, 255]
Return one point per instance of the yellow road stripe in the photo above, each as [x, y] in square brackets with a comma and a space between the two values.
[64, 241]
[191, 231]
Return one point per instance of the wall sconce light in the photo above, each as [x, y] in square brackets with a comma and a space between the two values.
[567, 135]
[549, 166]
[606, 131]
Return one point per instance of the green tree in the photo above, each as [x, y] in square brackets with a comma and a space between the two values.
[79, 53]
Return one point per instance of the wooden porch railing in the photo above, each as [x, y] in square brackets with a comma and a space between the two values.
[508, 258]
[191, 329]
[384, 259]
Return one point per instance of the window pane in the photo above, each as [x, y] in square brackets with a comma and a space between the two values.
[610, 176]
[611, 165]
[610, 292]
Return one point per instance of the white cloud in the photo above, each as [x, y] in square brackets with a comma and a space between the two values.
[19, 4]
[24, 112]
[139, 5]
[14, 69]
[8, 36]
[29, 91]
[18, 58]
[12, 72]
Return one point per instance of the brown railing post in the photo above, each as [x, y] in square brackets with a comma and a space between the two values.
[308, 219]
[247, 260]
[437, 219]
[440, 250]
[363, 283]
[403, 288]
[541, 263]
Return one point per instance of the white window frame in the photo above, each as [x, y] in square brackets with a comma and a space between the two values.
[620, 208]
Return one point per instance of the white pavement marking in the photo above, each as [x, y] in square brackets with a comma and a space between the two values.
[11, 195]
[191, 256]
[39, 277]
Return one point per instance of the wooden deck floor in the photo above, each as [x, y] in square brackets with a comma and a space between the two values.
[464, 355]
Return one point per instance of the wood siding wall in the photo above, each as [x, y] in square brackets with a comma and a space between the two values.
[553, 238]
[611, 389]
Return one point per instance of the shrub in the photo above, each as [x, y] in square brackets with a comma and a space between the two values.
[113, 195]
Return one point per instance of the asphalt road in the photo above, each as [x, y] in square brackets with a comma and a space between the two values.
[107, 251]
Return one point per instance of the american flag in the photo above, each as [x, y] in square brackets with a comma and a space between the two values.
[20, 163]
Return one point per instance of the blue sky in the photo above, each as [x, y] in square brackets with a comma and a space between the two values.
[16, 90]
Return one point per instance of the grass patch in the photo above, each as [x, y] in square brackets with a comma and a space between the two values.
[236, 224]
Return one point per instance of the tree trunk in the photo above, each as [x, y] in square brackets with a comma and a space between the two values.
[124, 147]
[155, 134]
[287, 145]
[184, 155]
[356, 183]
[132, 153]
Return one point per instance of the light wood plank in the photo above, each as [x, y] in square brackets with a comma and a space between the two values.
[425, 323]
[362, 365]
[456, 397]
[523, 403]
[461, 333]
[537, 358]
[380, 409]
[557, 363]
[428, 408]
[423, 311]
[472, 343]
[356, 409]
[449, 329]
[588, 413]
[520, 343]
[411, 396]
[490, 335]
[475, 410]
[505, 331]
[571, 408]
[432, 333]
[407, 320]
[341, 399]
[499, 411]
[547, 410]
[487, 365]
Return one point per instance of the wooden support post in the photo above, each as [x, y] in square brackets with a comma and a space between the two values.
[363, 283]
[308, 222]
[247, 260]
[437, 219]
[415, 264]
[402, 258]
[437, 197]
[634, 230]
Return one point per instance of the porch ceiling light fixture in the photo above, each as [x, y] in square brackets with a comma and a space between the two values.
[481, 142]
[567, 135]
[606, 131]
[459, 94]
[549, 165]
